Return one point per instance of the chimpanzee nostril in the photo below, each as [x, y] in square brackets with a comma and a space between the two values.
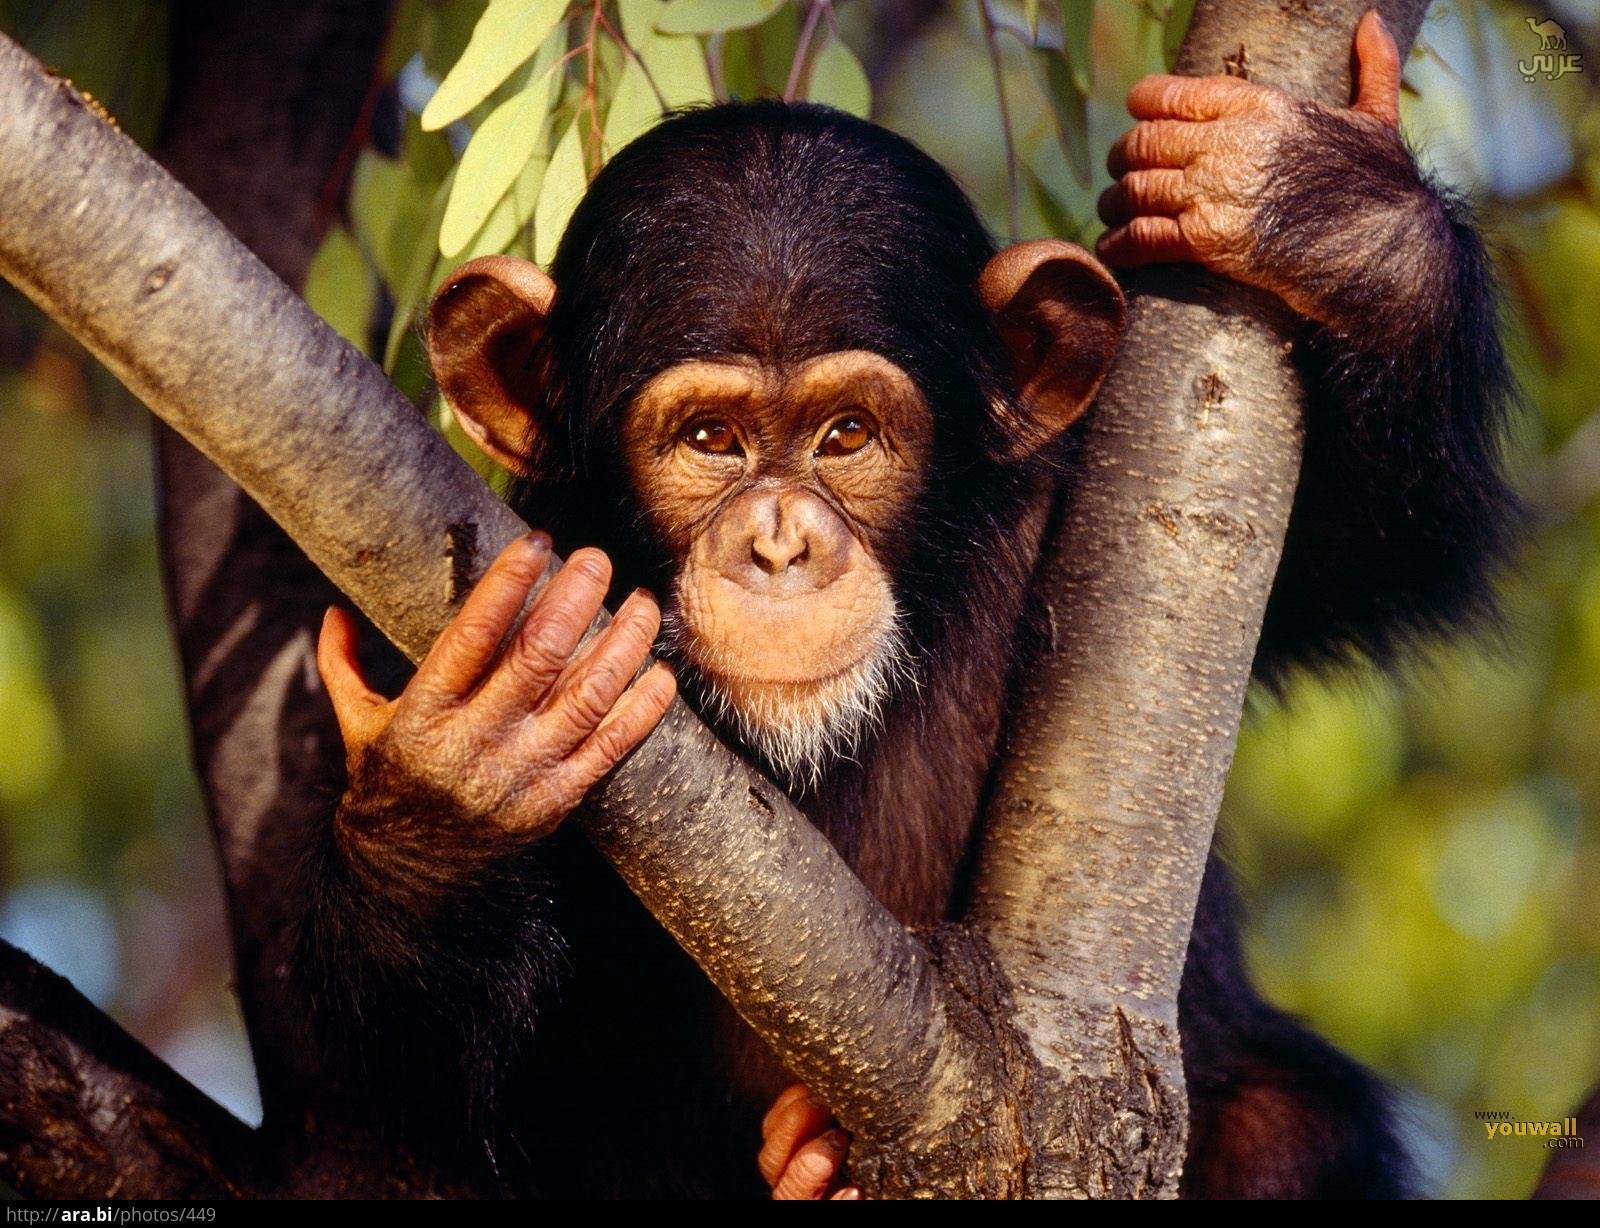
[775, 554]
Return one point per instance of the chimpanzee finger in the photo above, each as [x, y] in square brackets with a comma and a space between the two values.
[1158, 142]
[813, 1168]
[463, 652]
[597, 676]
[356, 706]
[1162, 192]
[795, 1091]
[1193, 98]
[786, 1129]
[1144, 240]
[541, 647]
[630, 721]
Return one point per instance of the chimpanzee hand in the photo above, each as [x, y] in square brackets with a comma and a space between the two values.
[802, 1149]
[507, 739]
[1198, 177]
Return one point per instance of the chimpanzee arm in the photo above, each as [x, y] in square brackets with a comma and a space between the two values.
[427, 948]
[1403, 510]
[427, 939]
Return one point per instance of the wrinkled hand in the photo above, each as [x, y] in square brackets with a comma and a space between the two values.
[513, 735]
[803, 1149]
[1191, 174]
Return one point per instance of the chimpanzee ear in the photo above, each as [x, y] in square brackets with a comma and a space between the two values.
[484, 329]
[1060, 315]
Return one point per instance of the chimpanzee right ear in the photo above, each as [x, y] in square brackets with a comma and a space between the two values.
[484, 329]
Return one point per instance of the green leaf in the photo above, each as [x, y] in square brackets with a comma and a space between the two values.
[446, 31]
[507, 34]
[418, 277]
[676, 62]
[1176, 26]
[1068, 107]
[1077, 23]
[634, 109]
[525, 195]
[838, 79]
[513, 133]
[384, 200]
[714, 16]
[1052, 212]
[339, 287]
[498, 232]
[564, 185]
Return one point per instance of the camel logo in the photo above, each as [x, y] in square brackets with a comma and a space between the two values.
[1552, 61]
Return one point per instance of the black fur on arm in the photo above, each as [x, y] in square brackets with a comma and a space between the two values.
[427, 948]
[1403, 511]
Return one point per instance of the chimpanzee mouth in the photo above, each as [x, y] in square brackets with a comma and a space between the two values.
[796, 729]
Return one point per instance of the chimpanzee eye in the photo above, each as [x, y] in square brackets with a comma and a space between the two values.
[848, 434]
[713, 435]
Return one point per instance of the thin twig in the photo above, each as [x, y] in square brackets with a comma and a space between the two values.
[1013, 170]
[630, 54]
[802, 49]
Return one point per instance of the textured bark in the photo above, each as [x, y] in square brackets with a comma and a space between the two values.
[89, 1112]
[1105, 802]
[264, 112]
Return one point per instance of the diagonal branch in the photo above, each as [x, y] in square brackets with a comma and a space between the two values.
[86, 1111]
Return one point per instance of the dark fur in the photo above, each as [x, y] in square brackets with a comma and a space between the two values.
[787, 232]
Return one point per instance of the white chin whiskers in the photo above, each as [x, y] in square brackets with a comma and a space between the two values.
[796, 729]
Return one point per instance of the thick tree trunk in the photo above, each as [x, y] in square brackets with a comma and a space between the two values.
[1106, 799]
[1031, 1054]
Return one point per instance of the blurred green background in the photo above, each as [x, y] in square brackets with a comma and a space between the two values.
[1421, 855]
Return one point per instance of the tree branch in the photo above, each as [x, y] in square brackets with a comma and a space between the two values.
[1106, 799]
[86, 1111]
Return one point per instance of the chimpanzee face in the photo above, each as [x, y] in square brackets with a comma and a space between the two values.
[783, 496]
[777, 334]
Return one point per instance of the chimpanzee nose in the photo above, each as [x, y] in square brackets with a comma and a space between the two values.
[778, 550]
[779, 542]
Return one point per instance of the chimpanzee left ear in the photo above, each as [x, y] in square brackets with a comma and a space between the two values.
[484, 329]
[1060, 315]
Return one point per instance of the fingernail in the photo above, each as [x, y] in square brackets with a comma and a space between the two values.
[816, 1101]
[850, 1194]
[836, 1141]
[539, 540]
[1382, 24]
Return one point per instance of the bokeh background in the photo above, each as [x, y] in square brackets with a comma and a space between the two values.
[1421, 854]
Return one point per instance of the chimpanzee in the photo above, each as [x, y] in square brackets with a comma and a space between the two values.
[782, 376]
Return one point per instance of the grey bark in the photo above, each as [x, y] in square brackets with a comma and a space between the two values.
[1032, 1053]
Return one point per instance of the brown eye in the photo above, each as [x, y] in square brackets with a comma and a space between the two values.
[712, 435]
[849, 434]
